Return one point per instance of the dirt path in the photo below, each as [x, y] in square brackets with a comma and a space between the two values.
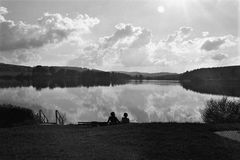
[234, 135]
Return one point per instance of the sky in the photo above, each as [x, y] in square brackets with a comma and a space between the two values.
[121, 35]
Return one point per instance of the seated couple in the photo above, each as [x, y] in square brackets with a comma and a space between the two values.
[113, 119]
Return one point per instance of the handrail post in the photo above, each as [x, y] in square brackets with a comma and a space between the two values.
[42, 117]
[56, 116]
[59, 118]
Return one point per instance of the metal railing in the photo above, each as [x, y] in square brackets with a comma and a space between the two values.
[44, 120]
[42, 117]
[59, 118]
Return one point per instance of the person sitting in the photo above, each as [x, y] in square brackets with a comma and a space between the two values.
[124, 118]
[112, 120]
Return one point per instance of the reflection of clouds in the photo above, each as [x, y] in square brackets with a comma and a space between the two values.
[143, 102]
[20, 96]
[175, 104]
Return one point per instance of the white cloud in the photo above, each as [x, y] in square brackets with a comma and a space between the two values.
[205, 34]
[132, 48]
[188, 53]
[51, 28]
[181, 34]
[126, 47]
[18, 38]
[126, 35]
[129, 47]
[3, 10]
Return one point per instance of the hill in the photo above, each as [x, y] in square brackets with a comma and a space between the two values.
[9, 70]
[228, 73]
[66, 72]
[218, 80]
[152, 76]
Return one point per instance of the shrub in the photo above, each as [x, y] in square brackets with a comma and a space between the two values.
[221, 111]
[13, 115]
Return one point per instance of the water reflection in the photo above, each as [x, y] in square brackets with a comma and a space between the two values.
[226, 88]
[146, 101]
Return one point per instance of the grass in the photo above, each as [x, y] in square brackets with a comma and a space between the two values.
[150, 141]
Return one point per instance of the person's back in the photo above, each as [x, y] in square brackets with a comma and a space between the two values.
[113, 119]
[125, 119]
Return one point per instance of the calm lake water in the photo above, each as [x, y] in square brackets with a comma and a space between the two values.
[146, 101]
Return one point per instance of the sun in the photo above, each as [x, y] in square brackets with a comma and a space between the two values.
[177, 4]
[161, 9]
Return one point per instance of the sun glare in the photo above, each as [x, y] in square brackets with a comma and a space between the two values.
[161, 9]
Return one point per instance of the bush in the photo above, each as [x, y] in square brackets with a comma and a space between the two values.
[221, 111]
[13, 115]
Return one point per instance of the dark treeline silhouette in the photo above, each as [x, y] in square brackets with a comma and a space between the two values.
[162, 77]
[230, 73]
[8, 71]
[54, 76]
[221, 111]
[13, 115]
[153, 76]
[44, 76]
[219, 81]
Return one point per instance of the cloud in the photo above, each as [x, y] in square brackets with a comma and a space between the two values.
[129, 47]
[215, 43]
[18, 57]
[195, 51]
[219, 57]
[125, 47]
[3, 10]
[126, 35]
[20, 41]
[181, 34]
[185, 30]
[205, 34]
[51, 28]
[132, 48]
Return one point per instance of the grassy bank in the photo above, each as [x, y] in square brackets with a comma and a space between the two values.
[160, 141]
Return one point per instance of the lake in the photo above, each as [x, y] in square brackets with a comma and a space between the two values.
[144, 101]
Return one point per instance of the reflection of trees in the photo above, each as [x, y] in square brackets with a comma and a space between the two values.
[226, 88]
[58, 77]
[221, 111]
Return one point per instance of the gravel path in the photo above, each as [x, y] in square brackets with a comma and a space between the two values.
[234, 135]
